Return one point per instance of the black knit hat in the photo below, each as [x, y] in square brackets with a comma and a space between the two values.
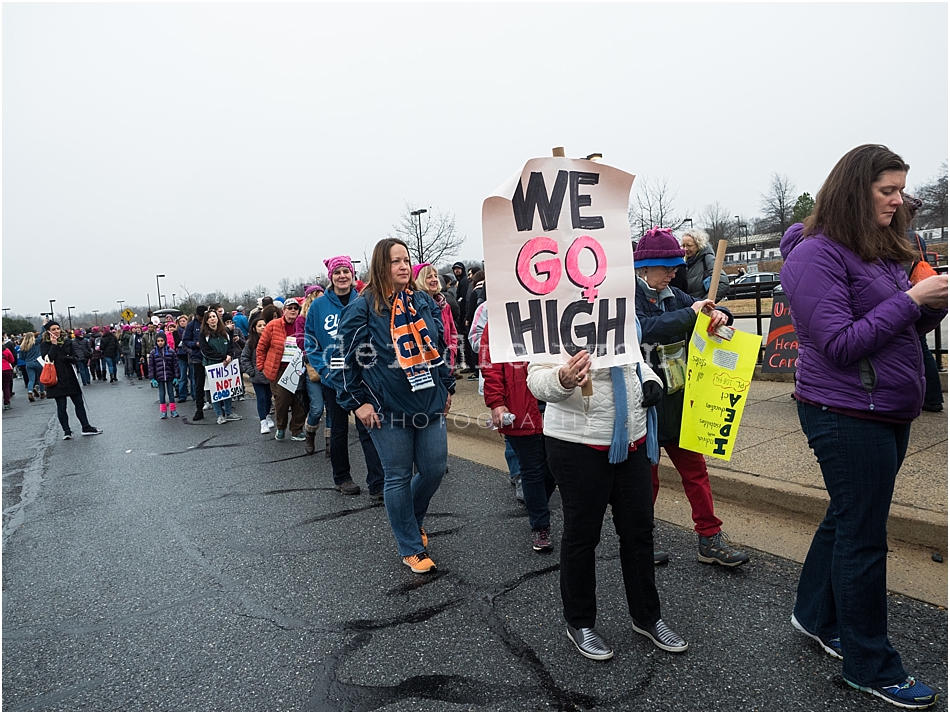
[51, 323]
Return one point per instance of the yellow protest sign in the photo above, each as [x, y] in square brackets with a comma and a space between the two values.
[718, 377]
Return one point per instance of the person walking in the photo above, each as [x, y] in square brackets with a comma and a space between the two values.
[321, 344]
[58, 349]
[81, 345]
[30, 352]
[667, 316]
[163, 369]
[9, 369]
[275, 350]
[110, 353]
[859, 385]
[604, 463]
[402, 395]
[96, 365]
[217, 346]
[262, 390]
[311, 378]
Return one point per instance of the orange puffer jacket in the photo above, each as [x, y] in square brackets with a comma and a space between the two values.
[271, 348]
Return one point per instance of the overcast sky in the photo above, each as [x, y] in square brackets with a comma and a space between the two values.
[228, 146]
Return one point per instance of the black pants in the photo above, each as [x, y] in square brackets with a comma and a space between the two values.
[588, 483]
[339, 448]
[80, 408]
[95, 367]
[199, 387]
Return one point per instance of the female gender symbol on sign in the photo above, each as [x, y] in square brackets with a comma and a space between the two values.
[550, 268]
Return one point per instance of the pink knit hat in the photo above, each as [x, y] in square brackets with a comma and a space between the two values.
[417, 268]
[339, 261]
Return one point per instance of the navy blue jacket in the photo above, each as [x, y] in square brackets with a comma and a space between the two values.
[371, 372]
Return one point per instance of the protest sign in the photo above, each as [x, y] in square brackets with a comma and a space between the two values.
[291, 376]
[222, 380]
[718, 378]
[559, 264]
[781, 346]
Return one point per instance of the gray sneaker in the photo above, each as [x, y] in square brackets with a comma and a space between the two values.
[718, 549]
[232, 417]
[589, 643]
[662, 636]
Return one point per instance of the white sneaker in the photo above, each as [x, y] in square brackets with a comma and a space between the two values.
[270, 423]
[221, 419]
[265, 427]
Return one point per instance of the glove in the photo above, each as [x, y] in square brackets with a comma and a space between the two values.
[175, 382]
[154, 383]
[652, 394]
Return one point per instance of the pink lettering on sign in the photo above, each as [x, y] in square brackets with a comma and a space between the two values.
[549, 268]
[574, 273]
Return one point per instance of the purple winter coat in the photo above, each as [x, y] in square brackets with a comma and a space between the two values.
[858, 330]
[163, 366]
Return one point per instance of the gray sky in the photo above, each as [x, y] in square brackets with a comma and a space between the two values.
[228, 146]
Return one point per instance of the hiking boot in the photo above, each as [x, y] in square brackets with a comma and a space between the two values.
[348, 488]
[717, 549]
[222, 419]
[831, 645]
[660, 557]
[909, 694]
[541, 540]
[419, 563]
[425, 537]
[662, 636]
[265, 427]
[280, 435]
[589, 643]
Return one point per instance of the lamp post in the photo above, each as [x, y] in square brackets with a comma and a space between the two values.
[418, 214]
[148, 303]
[121, 309]
[174, 302]
[5, 311]
[690, 221]
[51, 309]
[96, 313]
[69, 315]
[158, 291]
[162, 297]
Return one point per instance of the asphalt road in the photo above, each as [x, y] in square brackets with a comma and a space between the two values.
[173, 566]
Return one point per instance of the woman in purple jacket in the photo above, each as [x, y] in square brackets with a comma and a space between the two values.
[860, 383]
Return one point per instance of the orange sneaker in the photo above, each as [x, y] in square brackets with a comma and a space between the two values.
[419, 563]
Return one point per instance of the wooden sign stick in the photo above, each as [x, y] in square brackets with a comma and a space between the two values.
[717, 270]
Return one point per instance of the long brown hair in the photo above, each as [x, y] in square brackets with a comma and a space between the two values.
[379, 288]
[844, 208]
[252, 337]
[220, 330]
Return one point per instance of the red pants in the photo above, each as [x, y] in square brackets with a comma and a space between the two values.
[692, 469]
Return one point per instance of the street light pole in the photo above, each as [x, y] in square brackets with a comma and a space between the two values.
[5, 311]
[51, 309]
[158, 291]
[69, 315]
[690, 221]
[96, 313]
[174, 301]
[418, 214]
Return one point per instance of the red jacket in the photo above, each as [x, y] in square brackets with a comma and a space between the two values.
[270, 349]
[506, 385]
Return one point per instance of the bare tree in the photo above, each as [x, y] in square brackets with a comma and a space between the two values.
[439, 236]
[933, 214]
[653, 206]
[778, 203]
[718, 223]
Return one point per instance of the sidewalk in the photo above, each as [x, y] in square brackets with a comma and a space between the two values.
[773, 468]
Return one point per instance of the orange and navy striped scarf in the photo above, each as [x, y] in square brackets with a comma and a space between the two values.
[414, 348]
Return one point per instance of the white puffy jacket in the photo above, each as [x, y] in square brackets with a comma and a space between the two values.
[570, 416]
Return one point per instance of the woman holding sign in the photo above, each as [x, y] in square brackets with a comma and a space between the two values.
[667, 316]
[859, 385]
[394, 378]
[218, 347]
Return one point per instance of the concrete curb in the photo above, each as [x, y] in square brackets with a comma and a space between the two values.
[910, 525]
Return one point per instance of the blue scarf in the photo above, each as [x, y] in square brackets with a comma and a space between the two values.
[620, 440]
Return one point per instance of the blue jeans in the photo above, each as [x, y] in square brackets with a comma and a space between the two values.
[407, 493]
[166, 392]
[83, 372]
[222, 407]
[842, 591]
[263, 394]
[513, 460]
[110, 364]
[34, 370]
[537, 481]
[186, 379]
[315, 392]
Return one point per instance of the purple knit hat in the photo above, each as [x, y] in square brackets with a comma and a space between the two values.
[417, 268]
[339, 261]
[314, 288]
[658, 247]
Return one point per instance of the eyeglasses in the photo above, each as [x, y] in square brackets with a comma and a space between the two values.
[292, 307]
